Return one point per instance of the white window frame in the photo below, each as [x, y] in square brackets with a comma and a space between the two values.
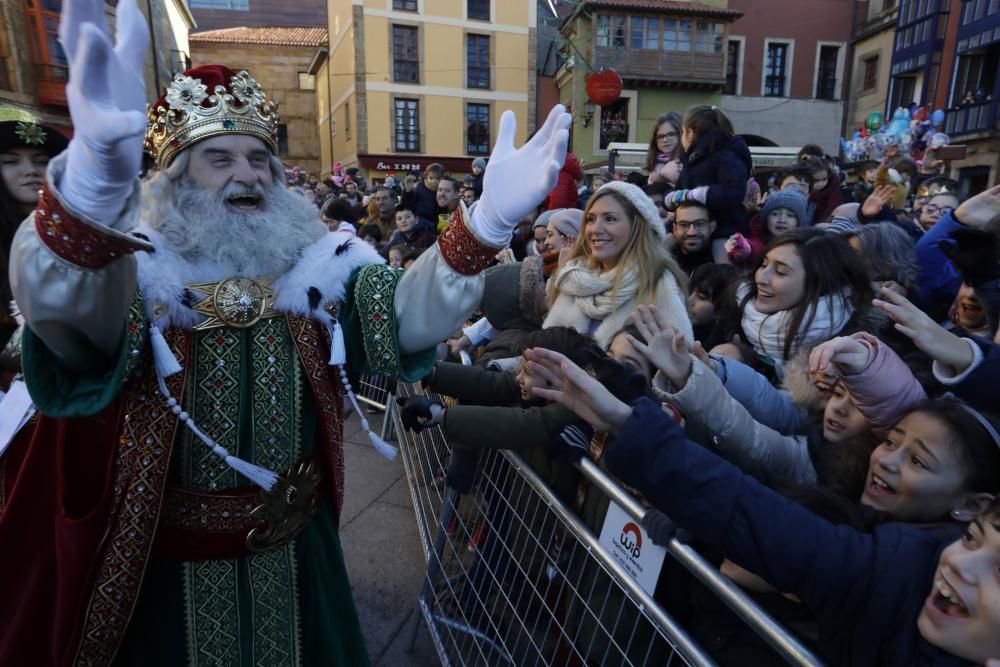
[789, 64]
[633, 118]
[743, 56]
[403, 12]
[842, 50]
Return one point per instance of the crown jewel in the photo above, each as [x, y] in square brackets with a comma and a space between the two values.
[188, 113]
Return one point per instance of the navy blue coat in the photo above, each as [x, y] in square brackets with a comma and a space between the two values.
[724, 166]
[978, 387]
[866, 589]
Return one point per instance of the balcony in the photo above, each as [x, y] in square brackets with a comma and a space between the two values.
[688, 68]
[50, 82]
[974, 119]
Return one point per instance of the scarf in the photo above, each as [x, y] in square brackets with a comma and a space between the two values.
[766, 332]
[593, 291]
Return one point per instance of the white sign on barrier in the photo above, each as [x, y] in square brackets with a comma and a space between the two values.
[630, 546]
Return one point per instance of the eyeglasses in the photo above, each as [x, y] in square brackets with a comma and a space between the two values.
[668, 135]
[699, 225]
[941, 210]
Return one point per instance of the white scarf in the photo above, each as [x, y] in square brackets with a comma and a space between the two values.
[594, 291]
[766, 332]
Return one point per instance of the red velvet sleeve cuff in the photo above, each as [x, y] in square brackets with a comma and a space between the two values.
[462, 251]
[73, 239]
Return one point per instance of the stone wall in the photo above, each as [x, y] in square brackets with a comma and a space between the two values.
[277, 69]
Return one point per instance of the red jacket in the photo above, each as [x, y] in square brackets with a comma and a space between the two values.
[564, 195]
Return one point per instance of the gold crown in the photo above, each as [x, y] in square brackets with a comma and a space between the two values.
[186, 113]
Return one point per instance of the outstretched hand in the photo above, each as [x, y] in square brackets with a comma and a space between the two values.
[665, 347]
[942, 346]
[106, 95]
[877, 200]
[980, 210]
[848, 354]
[575, 389]
[518, 179]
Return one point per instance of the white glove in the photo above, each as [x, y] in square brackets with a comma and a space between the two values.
[518, 180]
[107, 100]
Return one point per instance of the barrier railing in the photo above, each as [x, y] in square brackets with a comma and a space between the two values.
[516, 577]
[378, 393]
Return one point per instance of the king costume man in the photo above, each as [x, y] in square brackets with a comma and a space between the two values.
[189, 342]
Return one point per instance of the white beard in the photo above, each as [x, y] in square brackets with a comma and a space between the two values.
[201, 227]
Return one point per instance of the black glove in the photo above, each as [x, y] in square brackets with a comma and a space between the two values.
[660, 528]
[420, 412]
[974, 253]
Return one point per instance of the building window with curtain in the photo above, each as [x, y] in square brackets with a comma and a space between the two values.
[477, 129]
[644, 33]
[478, 9]
[51, 65]
[870, 78]
[406, 125]
[404, 5]
[826, 73]
[732, 68]
[477, 61]
[776, 67]
[677, 35]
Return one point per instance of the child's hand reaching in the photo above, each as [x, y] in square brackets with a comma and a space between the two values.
[847, 353]
[575, 389]
[665, 347]
[943, 346]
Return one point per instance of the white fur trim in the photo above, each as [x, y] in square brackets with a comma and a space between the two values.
[641, 201]
[164, 275]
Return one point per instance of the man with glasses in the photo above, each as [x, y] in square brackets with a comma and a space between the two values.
[693, 228]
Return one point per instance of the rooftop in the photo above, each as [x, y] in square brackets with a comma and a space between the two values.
[270, 35]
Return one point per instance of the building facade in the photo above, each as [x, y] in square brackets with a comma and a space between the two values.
[872, 63]
[670, 55]
[404, 83]
[945, 54]
[787, 67]
[278, 57]
[34, 69]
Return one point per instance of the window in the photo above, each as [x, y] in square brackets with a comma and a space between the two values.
[477, 129]
[603, 32]
[347, 119]
[676, 35]
[282, 139]
[405, 65]
[618, 32]
[614, 122]
[708, 38]
[51, 65]
[307, 81]
[826, 72]
[732, 86]
[478, 9]
[644, 33]
[870, 78]
[235, 5]
[405, 5]
[775, 77]
[407, 125]
[904, 90]
[477, 61]
[976, 76]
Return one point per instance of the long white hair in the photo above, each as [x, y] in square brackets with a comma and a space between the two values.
[198, 225]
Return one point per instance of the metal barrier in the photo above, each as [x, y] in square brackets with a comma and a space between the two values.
[516, 577]
[378, 392]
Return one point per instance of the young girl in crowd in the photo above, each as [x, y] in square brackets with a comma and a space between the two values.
[783, 211]
[892, 596]
[617, 262]
[717, 165]
[825, 195]
[663, 157]
[808, 286]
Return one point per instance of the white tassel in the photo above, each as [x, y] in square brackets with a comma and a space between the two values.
[166, 362]
[262, 477]
[338, 350]
[383, 447]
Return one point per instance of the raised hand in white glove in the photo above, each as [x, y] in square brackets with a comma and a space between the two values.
[518, 180]
[107, 100]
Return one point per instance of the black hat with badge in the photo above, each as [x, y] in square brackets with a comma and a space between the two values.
[20, 129]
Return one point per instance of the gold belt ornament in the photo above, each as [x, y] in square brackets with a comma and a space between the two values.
[286, 509]
[235, 302]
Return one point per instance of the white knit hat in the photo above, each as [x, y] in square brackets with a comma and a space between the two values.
[640, 201]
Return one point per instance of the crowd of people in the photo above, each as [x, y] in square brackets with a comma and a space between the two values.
[797, 371]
